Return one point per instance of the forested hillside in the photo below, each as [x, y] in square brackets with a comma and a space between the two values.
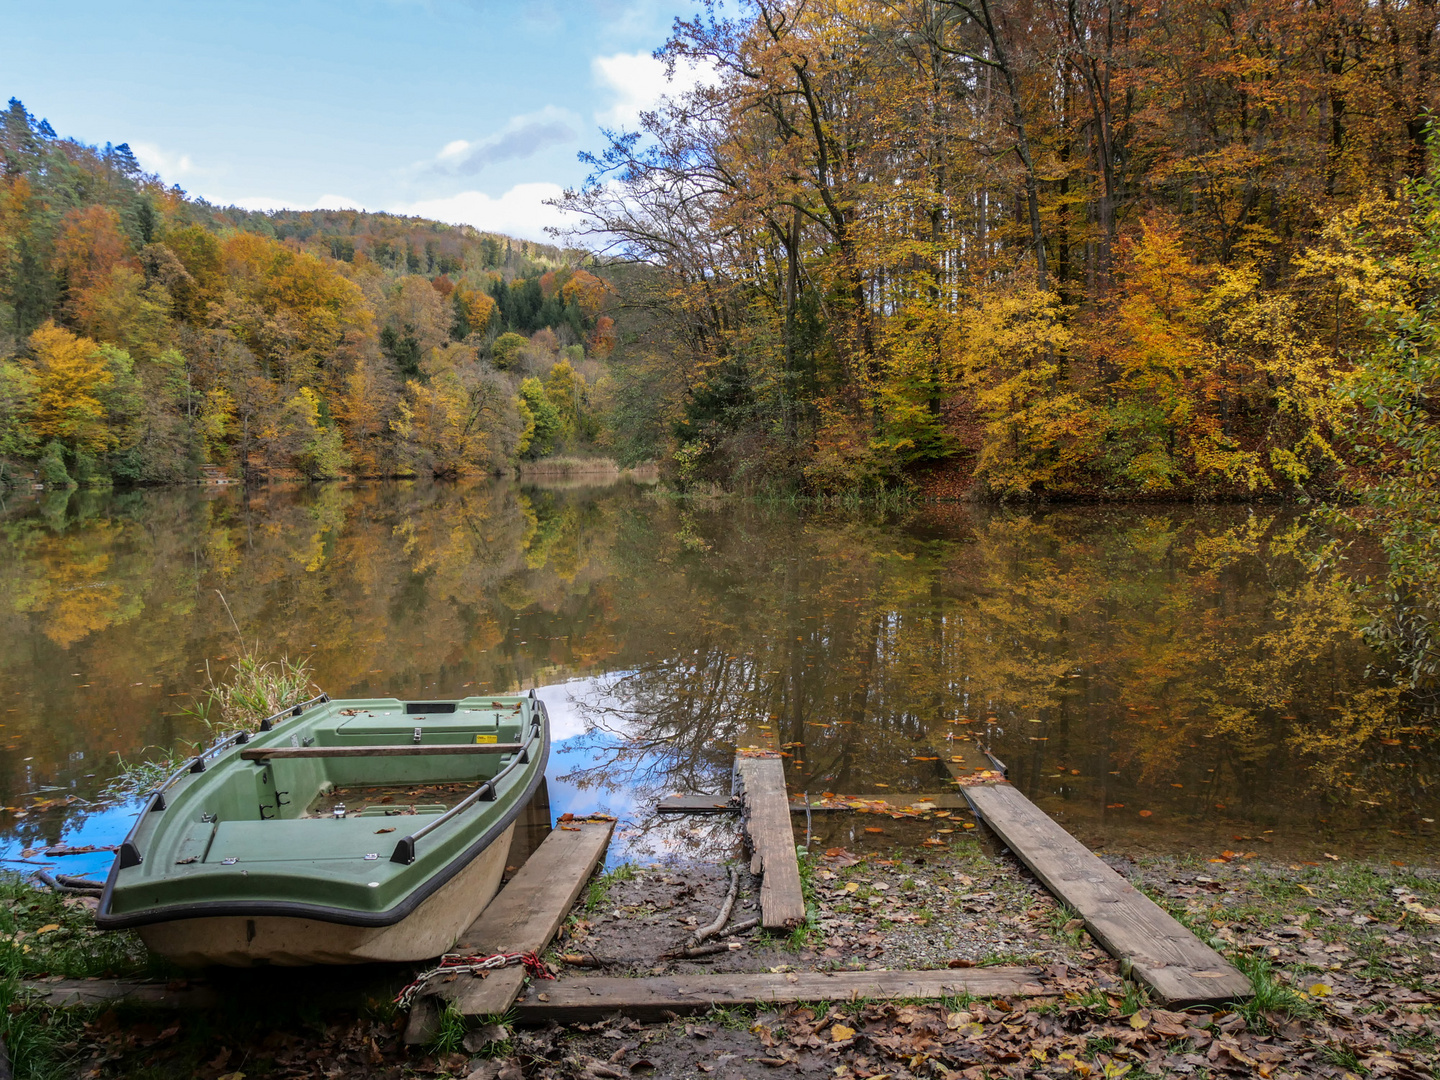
[1095, 247]
[145, 334]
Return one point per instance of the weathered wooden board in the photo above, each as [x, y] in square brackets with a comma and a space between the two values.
[66, 993]
[650, 998]
[723, 804]
[697, 804]
[1156, 949]
[767, 822]
[947, 800]
[523, 917]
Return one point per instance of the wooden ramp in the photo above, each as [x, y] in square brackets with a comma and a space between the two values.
[761, 784]
[652, 998]
[1155, 949]
[523, 917]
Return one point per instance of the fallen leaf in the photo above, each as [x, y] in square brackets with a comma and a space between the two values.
[48, 927]
[1146, 813]
[839, 1033]
[379, 831]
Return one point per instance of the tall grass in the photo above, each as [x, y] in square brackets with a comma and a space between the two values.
[252, 690]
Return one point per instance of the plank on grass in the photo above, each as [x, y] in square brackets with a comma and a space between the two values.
[1158, 951]
[767, 821]
[523, 917]
[67, 993]
[651, 998]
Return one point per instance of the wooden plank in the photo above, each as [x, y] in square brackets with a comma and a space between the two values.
[651, 998]
[767, 821]
[265, 753]
[697, 804]
[974, 760]
[68, 993]
[1173, 962]
[523, 917]
[947, 800]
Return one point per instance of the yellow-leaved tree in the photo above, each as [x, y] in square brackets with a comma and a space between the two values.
[1013, 355]
[70, 376]
[1152, 354]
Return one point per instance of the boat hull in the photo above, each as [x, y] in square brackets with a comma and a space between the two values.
[283, 941]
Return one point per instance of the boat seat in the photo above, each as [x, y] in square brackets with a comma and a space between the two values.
[302, 840]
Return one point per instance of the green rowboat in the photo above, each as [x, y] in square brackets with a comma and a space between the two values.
[341, 832]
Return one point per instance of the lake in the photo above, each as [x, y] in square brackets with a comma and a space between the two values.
[1159, 678]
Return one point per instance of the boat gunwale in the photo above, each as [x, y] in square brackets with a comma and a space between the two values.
[106, 920]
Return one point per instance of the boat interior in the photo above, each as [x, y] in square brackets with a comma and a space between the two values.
[262, 806]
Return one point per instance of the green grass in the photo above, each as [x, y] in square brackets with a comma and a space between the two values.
[1060, 917]
[1272, 998]
[449, 1035]
[1095, 1046]
[732, 1017]
[1343, 1057]
[503, 1046]
[809, 931]
[35, 1035]
[597, 893]
[959, 1003]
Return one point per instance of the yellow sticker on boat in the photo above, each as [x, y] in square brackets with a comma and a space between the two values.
[487, 738]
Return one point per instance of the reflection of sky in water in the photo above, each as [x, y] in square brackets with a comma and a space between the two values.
[573, 751]
[578, 754]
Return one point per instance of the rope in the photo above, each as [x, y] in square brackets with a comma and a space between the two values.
[456, 963]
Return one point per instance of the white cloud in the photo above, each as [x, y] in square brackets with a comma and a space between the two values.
[638, 82]
[520, 212]
[167, 165]
[521, 137]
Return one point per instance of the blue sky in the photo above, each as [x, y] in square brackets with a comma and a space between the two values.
[463, 110]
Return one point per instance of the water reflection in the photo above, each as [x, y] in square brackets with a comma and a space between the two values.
[1171, 660]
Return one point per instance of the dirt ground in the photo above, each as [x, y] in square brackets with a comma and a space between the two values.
[1345, 958]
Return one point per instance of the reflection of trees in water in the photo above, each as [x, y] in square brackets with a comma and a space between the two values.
[1194, 654]
[1158, 645]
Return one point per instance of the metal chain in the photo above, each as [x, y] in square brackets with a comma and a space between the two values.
[456, 963]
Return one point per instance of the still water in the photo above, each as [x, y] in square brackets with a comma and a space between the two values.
[1162, 678]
